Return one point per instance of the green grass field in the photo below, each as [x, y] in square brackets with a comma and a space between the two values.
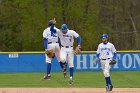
[129, 79]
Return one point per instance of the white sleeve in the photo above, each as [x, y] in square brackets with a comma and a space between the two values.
[44, 34]
[57, 30]
[113, 49]
[98, 50]
[75, 34]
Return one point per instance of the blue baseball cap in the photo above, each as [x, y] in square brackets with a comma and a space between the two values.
[105, 36]
[50, 22]
[64, 27]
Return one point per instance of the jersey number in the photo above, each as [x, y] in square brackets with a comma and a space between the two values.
[107, 53]
[70, 39]
[53, 35]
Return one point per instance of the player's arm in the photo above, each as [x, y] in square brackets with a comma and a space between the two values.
[77, 50]
[114, 52]
[98, 54]
[52, 26]
[76, 35]
[45, 43]
[45, 40]
[79, 40]
[97, 57]
[114, 56]
[52, 29]
[49, 52]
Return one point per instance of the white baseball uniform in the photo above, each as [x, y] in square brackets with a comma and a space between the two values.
[106, 52]
[67, 40]
[52, 44]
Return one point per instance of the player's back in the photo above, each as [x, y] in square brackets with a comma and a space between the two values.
[52, 37]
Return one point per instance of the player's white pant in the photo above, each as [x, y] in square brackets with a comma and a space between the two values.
[105, 67]
[66, 54]
[55, 47]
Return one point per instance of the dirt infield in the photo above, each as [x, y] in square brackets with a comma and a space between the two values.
[68, 90]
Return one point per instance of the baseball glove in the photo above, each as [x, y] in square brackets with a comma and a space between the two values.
[112, 62]
[50, 53]
[77, 50]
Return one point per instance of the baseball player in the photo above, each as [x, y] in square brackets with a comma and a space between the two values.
[51, 43]
[67, 39]
[105, 53]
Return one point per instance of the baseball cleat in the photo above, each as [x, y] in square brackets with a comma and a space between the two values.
[65, 74]
[110, 87]
[46, 78]
[64, 68]
[64, 71]
[71, 82]
[107, 88]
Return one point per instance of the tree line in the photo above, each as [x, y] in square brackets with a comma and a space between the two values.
[22, 22]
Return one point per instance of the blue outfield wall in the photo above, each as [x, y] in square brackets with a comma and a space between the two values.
[35, 62]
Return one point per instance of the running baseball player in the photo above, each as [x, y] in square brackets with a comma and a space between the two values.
[67, 39]
[51, 45]
[105, 53]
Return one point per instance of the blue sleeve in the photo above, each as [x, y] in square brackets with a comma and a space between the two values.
[79, 40]
[114, 56]
[97, 55]
[52, 29]
[45, 43]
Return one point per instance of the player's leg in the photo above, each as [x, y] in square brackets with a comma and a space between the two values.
[63, 54]
[63, 65]
[64, 68]
[48, 70]
[48, 62]
[63, 57]
[57, 54]
[107, 75]
[71, 65]
[104, 72]
[107, 67]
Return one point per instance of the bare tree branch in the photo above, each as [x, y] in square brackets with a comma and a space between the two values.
[133, 23]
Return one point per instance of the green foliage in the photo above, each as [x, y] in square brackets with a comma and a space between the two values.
[23, 21]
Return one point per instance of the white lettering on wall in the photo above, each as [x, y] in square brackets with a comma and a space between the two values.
[79, 61]
[93, 64]
[13, 55]
[118, 60]
[125, 60]
[136, 59]
[129, 61]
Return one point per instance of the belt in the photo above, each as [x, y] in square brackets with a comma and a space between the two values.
[67, 46]
[52, 42]
[105, 59]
